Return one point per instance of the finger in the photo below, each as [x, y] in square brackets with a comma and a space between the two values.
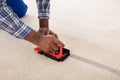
[56, 35]
[49, 49]
[48, 32]
[52, 33]
[54, 46]
[42, 32]
[45, 32]
[58, 42]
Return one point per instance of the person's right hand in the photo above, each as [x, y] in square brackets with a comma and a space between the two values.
[49, 43]
[46, 43]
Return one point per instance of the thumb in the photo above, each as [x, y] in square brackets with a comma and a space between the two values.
[59, 43]
[48, 32]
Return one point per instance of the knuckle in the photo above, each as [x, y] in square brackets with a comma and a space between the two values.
[47, 46]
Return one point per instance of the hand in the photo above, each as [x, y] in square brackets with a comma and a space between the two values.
[46, 31]
[49, 43]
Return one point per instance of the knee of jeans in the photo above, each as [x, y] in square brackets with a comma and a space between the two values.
[18, 7]
[22, 13]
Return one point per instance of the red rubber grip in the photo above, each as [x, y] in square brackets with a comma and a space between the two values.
[58, 55]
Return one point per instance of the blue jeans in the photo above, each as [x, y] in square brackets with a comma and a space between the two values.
[18, 6]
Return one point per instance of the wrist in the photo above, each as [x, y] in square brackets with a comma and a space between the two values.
[44, 23]
[33, 37]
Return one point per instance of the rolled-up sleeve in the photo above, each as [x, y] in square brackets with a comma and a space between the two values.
[10, 22]
[43, 9]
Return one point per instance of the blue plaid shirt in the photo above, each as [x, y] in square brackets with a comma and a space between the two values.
[10, 22]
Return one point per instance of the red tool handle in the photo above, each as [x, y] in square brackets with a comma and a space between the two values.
[59, 55]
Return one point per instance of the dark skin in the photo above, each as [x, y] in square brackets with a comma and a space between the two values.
[44, 38]
[44, 28]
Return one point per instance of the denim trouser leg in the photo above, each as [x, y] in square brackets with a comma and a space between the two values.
[18, 6]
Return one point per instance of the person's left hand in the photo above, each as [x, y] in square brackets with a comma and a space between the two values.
[47, 31]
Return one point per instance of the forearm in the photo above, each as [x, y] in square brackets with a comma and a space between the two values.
[33, 37]
[43, 12]
[11, 23]
[43, 9]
